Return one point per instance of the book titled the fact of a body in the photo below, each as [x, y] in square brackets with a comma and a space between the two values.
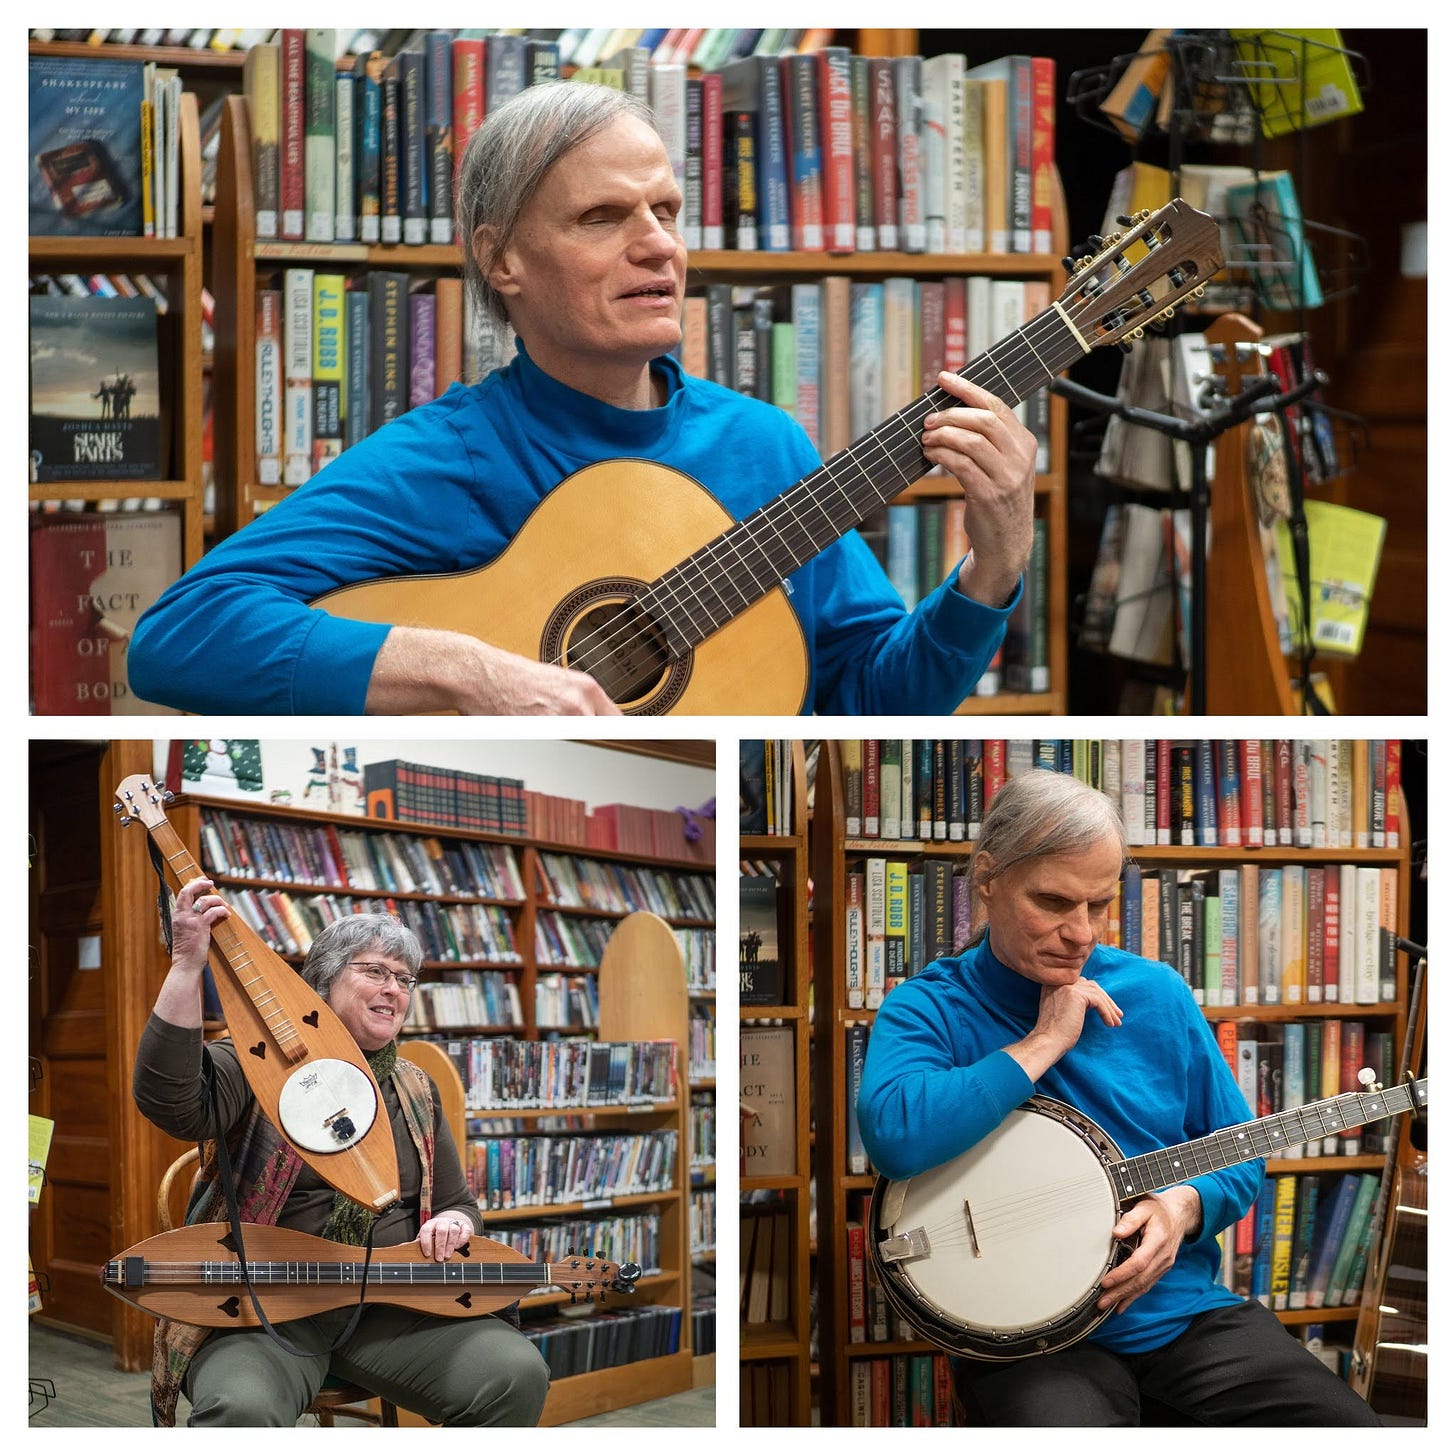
[94, 391]
[85, 147]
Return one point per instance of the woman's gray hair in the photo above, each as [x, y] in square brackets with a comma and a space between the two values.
[514, 148]
[1041, 813]
[337, 944]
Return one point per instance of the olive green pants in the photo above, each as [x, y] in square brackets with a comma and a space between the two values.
[465, 1372]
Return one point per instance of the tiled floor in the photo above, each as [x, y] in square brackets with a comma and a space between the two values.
[88, 1391]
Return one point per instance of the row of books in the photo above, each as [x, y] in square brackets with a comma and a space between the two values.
[536, 1170]
[702, 1131]
[424, 793]
[567, 1003]
[919, 544]
[819, 151]
[501, 1073]
[1308, 793]
[289, 922]
[657, 833]
[621, 1237]
[104, 148]
[699, 952]
[703, 1221]
[578, 46]
[590, 884]
[898, 920]
[359, 859]
[205, 39]
[1305, 1243]
[902, 1390]
[702, 1048]
[338, 356]
[610, 1337]
[466, 999]
[765, 1263]
[765, 787]
[569, 940]
[843, 355]
[1271, 935]
[871, 1320]
[1282, 1066]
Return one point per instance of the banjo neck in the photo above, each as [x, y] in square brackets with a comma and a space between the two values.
[1264, 1137]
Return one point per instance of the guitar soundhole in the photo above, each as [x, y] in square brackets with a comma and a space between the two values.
[599, 630]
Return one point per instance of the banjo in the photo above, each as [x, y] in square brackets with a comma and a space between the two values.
[193, 1274]
[674, 607]
[307, 1072]
[999, 1253]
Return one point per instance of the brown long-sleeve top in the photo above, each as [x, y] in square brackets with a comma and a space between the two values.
[169, 1090]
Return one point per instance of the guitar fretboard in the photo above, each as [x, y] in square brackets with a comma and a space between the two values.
[1262, 1138]
[730, 573]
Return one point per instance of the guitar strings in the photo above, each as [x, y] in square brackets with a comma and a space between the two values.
[624, 635]
[783, 510]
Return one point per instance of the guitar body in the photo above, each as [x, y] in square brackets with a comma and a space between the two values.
[193, 1274]
[591, 545]
[1394, 1376]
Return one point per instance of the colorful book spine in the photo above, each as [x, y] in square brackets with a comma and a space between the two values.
[318, 149]
[268, 385]
[439, 135]
[292, 117]
[328, 368]
[297, 375]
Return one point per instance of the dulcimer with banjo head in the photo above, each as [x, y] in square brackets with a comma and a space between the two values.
[673, 606]
[307, 1072]
[194, 1274]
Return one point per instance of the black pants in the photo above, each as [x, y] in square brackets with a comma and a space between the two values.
[1236, 1366]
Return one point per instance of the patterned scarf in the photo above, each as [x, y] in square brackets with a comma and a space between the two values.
[264, 1171]
[350, 1222]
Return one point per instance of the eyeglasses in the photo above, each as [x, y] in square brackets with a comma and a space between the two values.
[380, 975]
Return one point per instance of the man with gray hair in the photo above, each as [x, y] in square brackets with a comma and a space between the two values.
[568, 207]
[1038, 1004]
[454, 1372]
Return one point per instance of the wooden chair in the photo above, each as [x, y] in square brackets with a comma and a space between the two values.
[336, 1396]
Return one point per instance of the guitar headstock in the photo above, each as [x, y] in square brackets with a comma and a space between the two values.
[138, 797]
[589, 1276]
[1140, 275]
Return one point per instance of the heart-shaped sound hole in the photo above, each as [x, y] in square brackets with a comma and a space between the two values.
[311, 1019]
[463, 1301]
[230, 1307]
[257, 1051]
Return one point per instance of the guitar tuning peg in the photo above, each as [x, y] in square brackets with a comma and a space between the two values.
[600, 1255]
[1069, 265]
[1366, 1077]
[1124, 346]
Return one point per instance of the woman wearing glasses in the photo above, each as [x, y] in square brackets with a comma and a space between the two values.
[467, 1373]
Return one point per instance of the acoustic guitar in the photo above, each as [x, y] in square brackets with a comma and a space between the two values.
[672, 605]
[999, 1253]
[307, 1072]
[193, 1274]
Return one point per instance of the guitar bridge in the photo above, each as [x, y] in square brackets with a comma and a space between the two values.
[899, 1247]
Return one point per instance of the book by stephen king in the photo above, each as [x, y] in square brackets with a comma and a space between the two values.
[95, 397]
[85, 147]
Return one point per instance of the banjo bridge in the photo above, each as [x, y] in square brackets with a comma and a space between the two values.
[915, 1244]
[971, 1229]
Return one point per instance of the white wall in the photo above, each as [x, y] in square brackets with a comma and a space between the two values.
[575, 770]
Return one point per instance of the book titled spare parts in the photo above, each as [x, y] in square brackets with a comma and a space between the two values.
[85, 147]
[95, 398]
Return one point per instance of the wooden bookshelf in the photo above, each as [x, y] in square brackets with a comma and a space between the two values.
[239, 255]
[837, 1189]
[137, 964]
[644, 997]
[177, 261]
[787, 1344]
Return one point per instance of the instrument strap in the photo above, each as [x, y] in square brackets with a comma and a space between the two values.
[225, 1172]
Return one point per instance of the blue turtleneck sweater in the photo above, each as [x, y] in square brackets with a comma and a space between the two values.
[937, 1079]
[447, 486]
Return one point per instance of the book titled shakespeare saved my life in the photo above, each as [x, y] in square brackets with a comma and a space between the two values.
[95, 396]
[85, 147]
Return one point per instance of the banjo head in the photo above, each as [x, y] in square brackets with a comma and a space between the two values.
[327, 1106]
[998, 1253]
